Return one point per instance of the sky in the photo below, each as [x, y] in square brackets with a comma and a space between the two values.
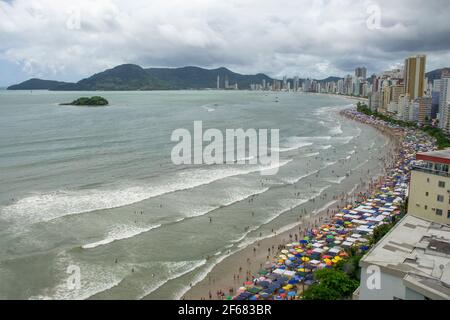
[70, 40]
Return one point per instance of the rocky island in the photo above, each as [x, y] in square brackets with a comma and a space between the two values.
[84, 101]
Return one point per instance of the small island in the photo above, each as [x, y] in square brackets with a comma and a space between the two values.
[84, 101]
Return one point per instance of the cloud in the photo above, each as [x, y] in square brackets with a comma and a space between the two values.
[71, 39]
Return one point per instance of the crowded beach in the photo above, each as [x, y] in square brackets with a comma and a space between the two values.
[348, 228]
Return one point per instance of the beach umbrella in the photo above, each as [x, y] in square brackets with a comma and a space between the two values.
[265, 295]
[284, 251]
[264, 284]
[228, 298]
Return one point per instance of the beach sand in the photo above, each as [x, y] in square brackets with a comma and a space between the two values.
[248, 261]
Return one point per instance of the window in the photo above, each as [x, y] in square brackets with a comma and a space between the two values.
[448, 214]
[426, 208]
[440, 198]
[428, 180]
[427, 194]
[441, 184]
[439, 212]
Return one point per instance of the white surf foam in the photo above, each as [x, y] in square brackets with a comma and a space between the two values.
[295, 180]
[175, 270]
[234, 196]
[208, 108]
[337, 180]
[120, 233]
[49, 206]
[336, 130]
[325, 207]
[95, 279]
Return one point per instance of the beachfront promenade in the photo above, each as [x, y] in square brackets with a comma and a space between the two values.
[343, 231]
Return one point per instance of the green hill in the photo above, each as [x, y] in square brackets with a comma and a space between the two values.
[123, 77]
[37, 84]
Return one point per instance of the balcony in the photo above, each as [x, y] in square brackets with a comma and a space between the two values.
[426, 169]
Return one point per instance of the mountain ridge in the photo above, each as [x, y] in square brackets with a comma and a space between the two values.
[133, 77]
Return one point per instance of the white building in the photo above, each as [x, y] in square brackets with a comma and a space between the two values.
[414, 107]
[412, 262]
[444, 98]
[403, 107]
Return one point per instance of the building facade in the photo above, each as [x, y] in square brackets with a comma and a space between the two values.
[429, 193]
[414, 76]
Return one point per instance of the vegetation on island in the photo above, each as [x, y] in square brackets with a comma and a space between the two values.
[441, 138]
[84, 101]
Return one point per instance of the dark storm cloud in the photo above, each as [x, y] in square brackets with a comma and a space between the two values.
[316, 38]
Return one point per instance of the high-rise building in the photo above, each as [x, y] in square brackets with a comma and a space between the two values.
[361, 73]
[414, 75]
[296, 83]
[386, 97]
[218, 82]
[424, 110]
[403, 107]
[396, 91]
[227, 84]
[444, 98]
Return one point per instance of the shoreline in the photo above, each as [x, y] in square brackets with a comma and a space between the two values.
[230, 274]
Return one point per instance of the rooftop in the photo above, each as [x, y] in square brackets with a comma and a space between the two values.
[418, 251]
[442, 156]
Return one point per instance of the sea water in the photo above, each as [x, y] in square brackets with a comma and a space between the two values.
[95, 188]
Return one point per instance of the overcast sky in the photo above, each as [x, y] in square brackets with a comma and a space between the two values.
[69, 40]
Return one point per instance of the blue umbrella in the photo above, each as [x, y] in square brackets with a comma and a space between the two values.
[291, 294]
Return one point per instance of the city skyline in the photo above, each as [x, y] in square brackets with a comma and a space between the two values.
[51, 40]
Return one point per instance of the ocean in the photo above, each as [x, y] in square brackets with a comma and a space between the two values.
[93, 193]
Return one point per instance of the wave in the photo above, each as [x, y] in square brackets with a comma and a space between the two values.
[293, 147]
[325, 207]
[344, 140]
[176, 270]
[50, 206]
[120, 233]
[298, 179]
[95, 279]
[233, 198]
[208, 108]
[336, 130]
[362, 164]
[200, 276]
[337, 180]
